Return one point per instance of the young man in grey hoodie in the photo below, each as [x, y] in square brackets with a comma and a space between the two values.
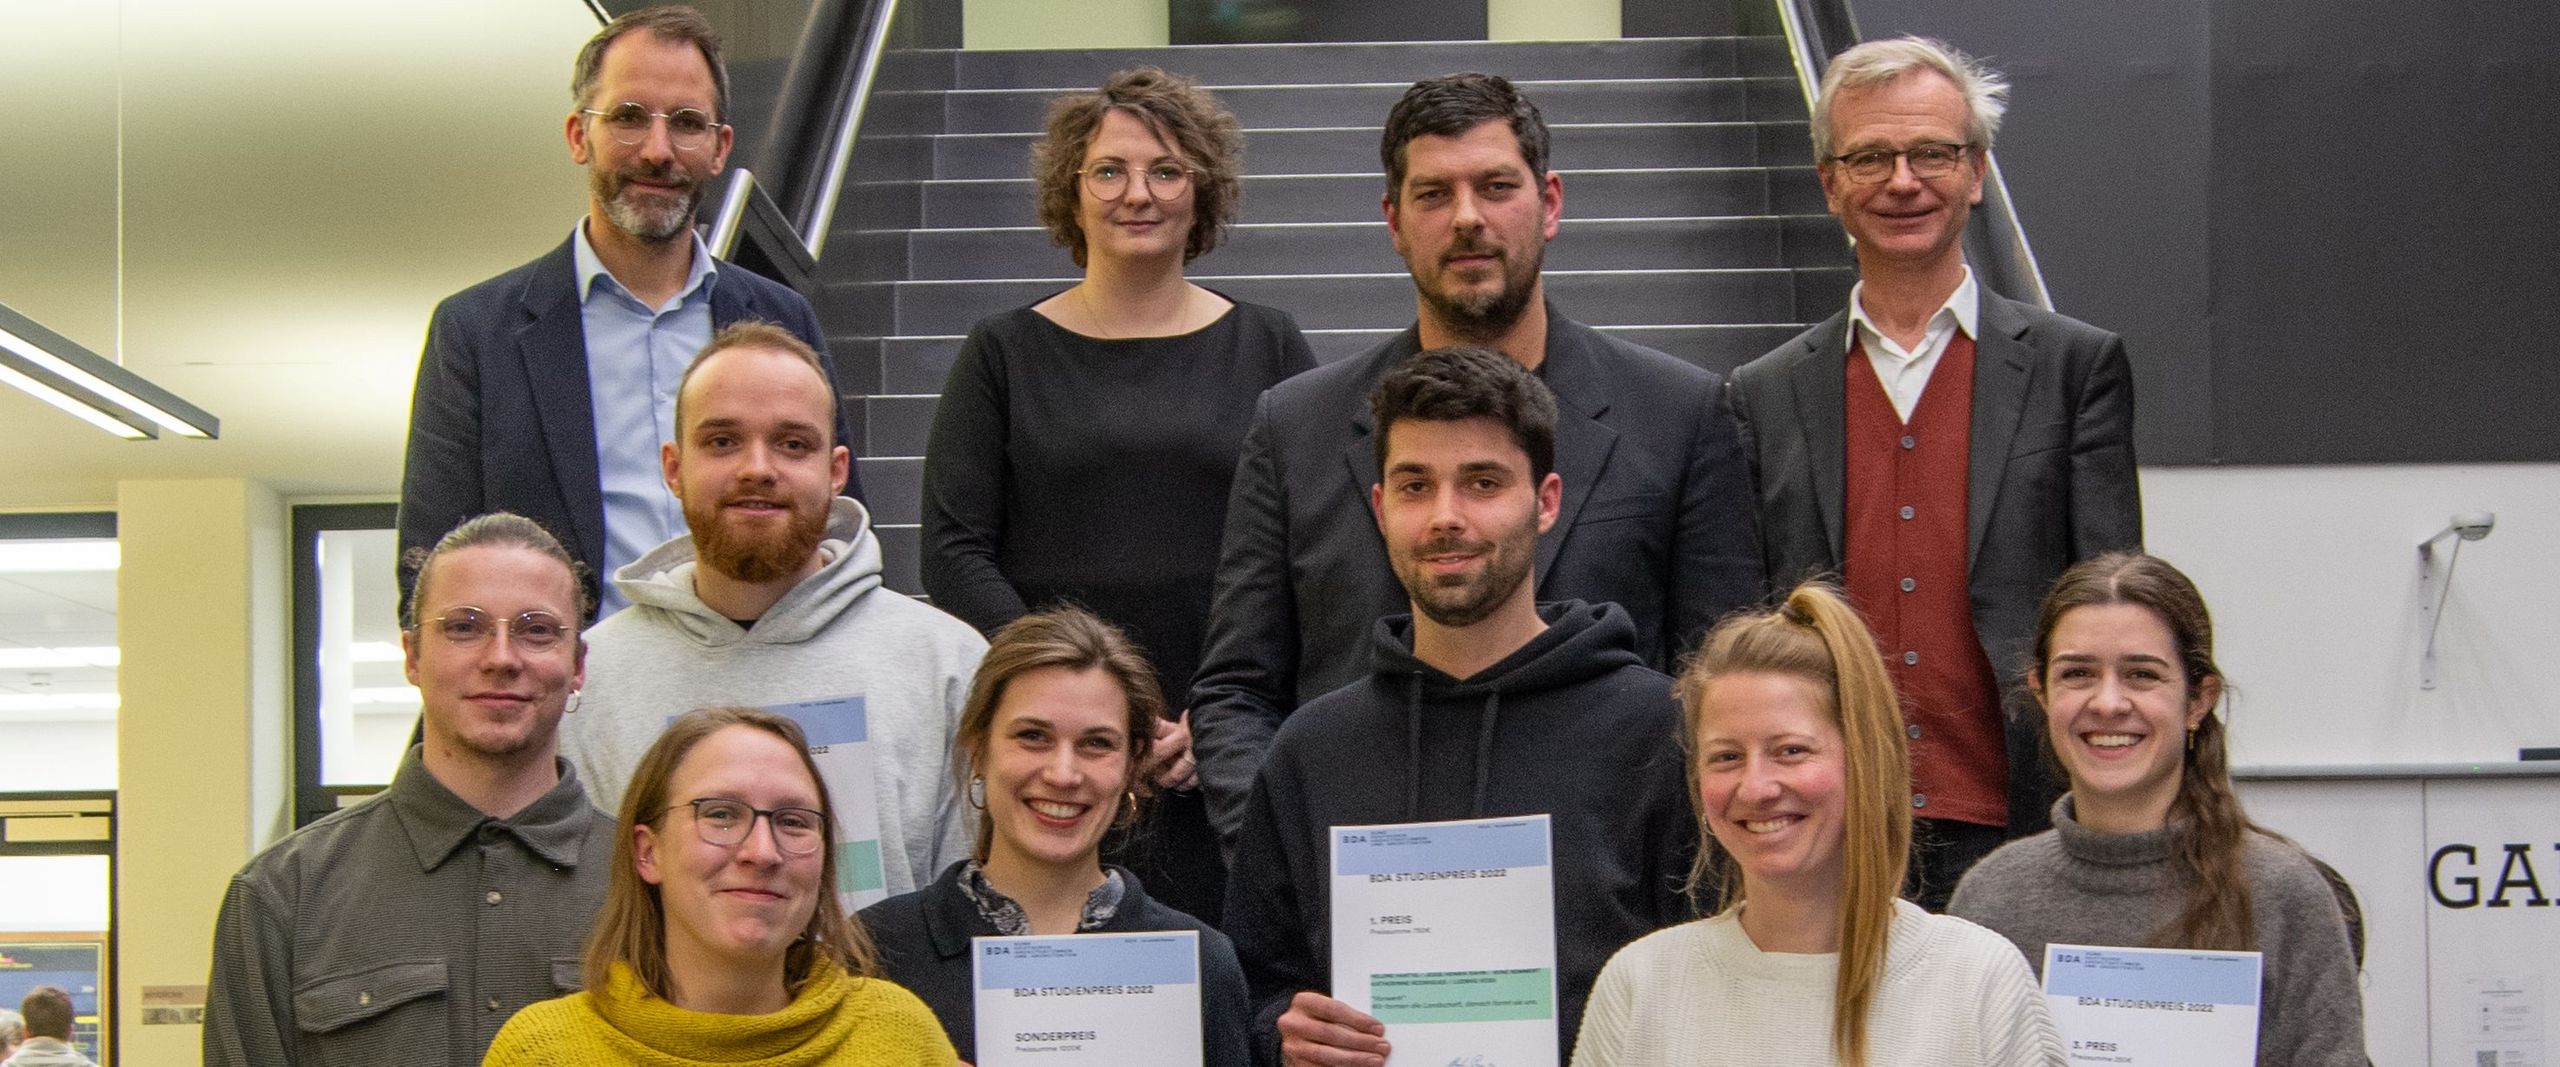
[775, 600]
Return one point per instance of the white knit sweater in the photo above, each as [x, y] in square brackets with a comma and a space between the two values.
[1701, 993]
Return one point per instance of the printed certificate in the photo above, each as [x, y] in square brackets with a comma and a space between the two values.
[2153, 1006]
[840, 740]
[1118, 999]
[1446, 932]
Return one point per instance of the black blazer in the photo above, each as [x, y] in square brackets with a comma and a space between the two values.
[502, 419]
[1656, 518]
[2051, 482]
[923, 938]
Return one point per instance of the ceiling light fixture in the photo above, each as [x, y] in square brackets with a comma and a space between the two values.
[56, 370]
[60, 557]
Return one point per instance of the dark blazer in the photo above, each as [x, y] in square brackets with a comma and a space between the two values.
[2051, 482]
[1656, 518]
[502, 418]
[923, 938]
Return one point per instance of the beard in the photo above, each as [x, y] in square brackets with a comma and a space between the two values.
[1467, 600]
[753, 555]
[1485, 316]
[641, 215]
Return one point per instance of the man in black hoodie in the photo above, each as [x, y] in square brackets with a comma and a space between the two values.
[1481, 703]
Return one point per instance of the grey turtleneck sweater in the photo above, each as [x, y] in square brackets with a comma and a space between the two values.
[2076, 886]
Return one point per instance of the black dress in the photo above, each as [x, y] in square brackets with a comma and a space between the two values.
[1067, 468]
[923, 938]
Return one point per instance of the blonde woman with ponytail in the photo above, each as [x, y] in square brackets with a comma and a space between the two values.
[2150, 847]
[1796, 759]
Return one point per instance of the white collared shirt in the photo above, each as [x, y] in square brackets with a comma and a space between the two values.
[1905, 374]
[635, 356]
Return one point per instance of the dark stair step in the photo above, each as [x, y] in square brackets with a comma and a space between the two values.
[1354, 149]
[1018, 110]
[1214, 65]
[1647, 192]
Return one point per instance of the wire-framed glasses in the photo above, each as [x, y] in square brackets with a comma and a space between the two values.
[628, 122]
[533, 631]
[1110, 181]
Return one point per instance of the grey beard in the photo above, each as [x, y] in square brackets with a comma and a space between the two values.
[650, 226]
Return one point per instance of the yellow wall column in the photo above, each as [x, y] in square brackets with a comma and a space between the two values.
[1551, 20]
[201, 729]
[1051, 24]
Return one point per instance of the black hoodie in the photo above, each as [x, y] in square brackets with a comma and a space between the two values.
[1571, 725]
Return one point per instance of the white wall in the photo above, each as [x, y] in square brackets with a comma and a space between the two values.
[2312, 573]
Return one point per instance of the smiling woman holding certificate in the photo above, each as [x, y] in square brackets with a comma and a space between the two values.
[721, 941]
[1802, 779]
[1058, 722]
[2151, 848]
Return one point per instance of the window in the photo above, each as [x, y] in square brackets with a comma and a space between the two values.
[354, 710]
[57, 787]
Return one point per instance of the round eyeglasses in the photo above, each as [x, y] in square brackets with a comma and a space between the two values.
[533, 631]
[726, 823]
[1110, 181]
[1928, 162]
[629, 123]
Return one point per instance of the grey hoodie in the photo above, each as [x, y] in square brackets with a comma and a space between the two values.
[836, 634]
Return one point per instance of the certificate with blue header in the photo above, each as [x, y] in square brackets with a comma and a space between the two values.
[839, 733]
[1119, 999]
[2154, 1006]
[1446, 932]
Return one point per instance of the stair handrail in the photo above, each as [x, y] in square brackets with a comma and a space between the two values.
[1995, 243]
[877, 17]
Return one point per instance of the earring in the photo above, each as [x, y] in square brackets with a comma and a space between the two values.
[1129, 806]
[978, 793]
[574, 696]
[2191, 740]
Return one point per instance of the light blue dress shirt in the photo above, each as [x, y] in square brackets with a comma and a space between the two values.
[635, 355]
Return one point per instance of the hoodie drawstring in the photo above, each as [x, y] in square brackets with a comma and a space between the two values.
[1413, 748]
[1484, 752]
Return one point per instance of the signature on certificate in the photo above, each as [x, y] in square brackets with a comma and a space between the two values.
[1477, 1060]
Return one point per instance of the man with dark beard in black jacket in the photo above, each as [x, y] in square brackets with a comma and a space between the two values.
[1482, 703]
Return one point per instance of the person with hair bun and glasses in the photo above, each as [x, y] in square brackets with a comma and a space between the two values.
[2150, 847]
[721, 940]
[1057, 726]
[1796, 757]
[1083, 446]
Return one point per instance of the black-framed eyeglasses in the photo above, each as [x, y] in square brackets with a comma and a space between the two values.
[533, 631]
[726, 823]
[1110, 181]
[629, 122]
[1927, 161]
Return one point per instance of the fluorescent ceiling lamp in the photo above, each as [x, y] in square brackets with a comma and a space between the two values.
[57, 701]
[58, 371]
[54, 557]
[42, 659]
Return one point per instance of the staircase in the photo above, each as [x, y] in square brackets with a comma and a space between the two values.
[1693, 222]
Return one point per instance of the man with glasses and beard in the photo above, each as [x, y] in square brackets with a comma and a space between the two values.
[547, 390]
[1656, 513]
[408, 927]
[775, 600]
[1481, 703]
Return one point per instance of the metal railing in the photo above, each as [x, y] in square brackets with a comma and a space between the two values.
[1994, 242]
